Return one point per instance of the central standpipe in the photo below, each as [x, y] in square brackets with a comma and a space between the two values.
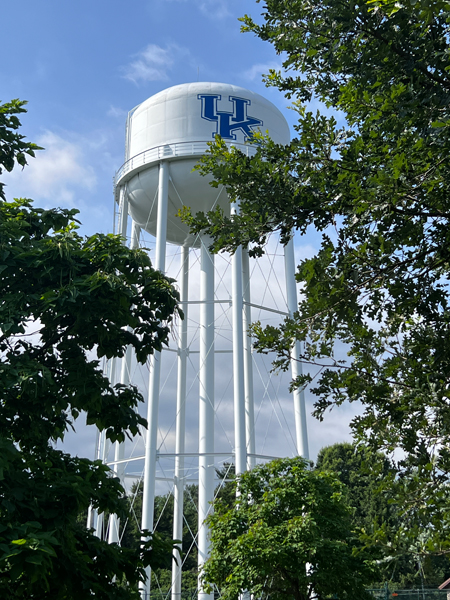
[206, 405]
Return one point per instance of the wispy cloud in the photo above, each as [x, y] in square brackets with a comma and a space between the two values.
[260, 69]
[215, 9]
[218, 9]
[153, 63]
[117, 112]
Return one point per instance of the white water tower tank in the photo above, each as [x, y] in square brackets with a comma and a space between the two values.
[166, 136]
[176, 125]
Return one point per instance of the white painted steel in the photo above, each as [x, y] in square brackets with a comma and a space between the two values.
[135, 235]
[172, 126]
[173, 116]
[165, 137]
[119, 452]
[114, 521]
[123, 214]
[136, 163]
[101, 454]
[148, 499]
[163, 201]
[178, 497]
[240, 446]
[296, 367]
[99, 526]
[103, 448]
[248, 365]
[206, 404]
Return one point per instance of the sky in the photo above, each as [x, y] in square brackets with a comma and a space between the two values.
[83, 65]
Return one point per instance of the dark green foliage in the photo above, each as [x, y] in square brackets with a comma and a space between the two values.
[13, 148]
[362, 473]
[66, 302]
[226, 490]
[163, 520]
[374, 505]
[374, 315]
[288, 535]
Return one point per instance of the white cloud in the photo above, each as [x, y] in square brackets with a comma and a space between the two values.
[216, 9]
[304, 251]
[54, 173]
[260, 69]
[116, 112]
[154, 63]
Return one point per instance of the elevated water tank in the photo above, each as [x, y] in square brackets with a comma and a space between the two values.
[176, 125]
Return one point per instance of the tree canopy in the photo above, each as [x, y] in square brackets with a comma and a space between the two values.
[367, 477]
[373, 180]
[361, 471]
[288, 535]
[163, 519]
[66, 303]
[13, 147]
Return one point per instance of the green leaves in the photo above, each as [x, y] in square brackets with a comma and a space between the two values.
[13, 148]
[374, 315]
[288, 535]
[81, 295]
[66, 303]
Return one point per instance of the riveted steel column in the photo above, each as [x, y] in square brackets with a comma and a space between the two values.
[206, 404]
[151, 438]
[178, 499]
[296, 367]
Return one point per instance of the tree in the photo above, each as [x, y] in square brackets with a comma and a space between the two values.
[66, 303]
[361, 471]
[163, 519]
[374, 507]
[13, 146]
[226, 490]
[288, 535]
[377, 189]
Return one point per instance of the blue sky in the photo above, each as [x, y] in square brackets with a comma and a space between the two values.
[83, 65]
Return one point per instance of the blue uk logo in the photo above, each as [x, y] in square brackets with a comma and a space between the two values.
[227, 123]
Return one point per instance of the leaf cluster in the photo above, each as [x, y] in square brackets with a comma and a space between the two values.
[66, 303]
[373, 180]
[288, 535]
[13, 147]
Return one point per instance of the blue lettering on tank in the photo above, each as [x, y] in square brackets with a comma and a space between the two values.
[229, 122]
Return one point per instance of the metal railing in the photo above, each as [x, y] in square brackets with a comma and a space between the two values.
[168, 151]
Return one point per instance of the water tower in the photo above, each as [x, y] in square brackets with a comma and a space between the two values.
[165, 137]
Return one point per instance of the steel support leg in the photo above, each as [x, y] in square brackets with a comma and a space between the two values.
[206, 407]
[296, 367]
